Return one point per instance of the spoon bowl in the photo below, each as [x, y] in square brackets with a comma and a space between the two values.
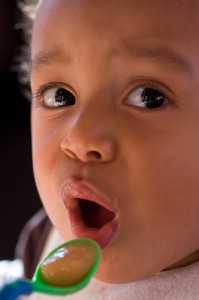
[38, 279]
[52, 275]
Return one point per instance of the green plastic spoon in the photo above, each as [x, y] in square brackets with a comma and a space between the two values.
[52, 276]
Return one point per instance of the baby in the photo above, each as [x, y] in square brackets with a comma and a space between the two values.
[115, 137]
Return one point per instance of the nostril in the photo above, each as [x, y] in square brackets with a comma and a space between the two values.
[94, 155]
[70, 154]
[90, 155]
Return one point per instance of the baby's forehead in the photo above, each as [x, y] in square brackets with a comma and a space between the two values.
[165, 22]
[106, 24]
[188, 3]
[158, 12]
[135, 7]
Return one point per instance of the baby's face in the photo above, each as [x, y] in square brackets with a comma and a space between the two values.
[115, 128]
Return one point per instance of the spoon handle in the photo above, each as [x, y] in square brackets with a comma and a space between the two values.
[15, 288]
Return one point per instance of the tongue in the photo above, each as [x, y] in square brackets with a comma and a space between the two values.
[93, 214]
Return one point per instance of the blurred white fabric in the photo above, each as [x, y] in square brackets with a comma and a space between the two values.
[10, 270]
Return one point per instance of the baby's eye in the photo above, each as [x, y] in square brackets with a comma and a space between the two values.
[54, 97]
[146, 97]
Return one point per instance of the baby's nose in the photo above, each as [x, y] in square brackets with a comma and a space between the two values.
[89, 139]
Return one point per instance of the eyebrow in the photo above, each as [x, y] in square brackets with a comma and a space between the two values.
[50, 57]
[161, 54]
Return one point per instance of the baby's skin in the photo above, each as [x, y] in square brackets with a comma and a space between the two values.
[115, 129]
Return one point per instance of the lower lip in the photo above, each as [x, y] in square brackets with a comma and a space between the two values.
[103, 236]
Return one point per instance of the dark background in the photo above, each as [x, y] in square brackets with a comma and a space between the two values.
[18, 196]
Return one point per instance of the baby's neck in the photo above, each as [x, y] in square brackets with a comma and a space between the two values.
[188, 260]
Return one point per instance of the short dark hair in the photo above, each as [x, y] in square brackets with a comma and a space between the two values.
[25, 23]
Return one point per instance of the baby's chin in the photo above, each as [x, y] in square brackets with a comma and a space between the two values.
[126, 269]
[119, 275]
[117, 278]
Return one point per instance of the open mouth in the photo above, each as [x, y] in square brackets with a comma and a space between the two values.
[91, 213]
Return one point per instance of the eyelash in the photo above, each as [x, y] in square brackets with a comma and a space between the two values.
[38, 93]
[153, 85]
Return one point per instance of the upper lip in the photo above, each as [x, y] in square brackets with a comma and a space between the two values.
[73, 189]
